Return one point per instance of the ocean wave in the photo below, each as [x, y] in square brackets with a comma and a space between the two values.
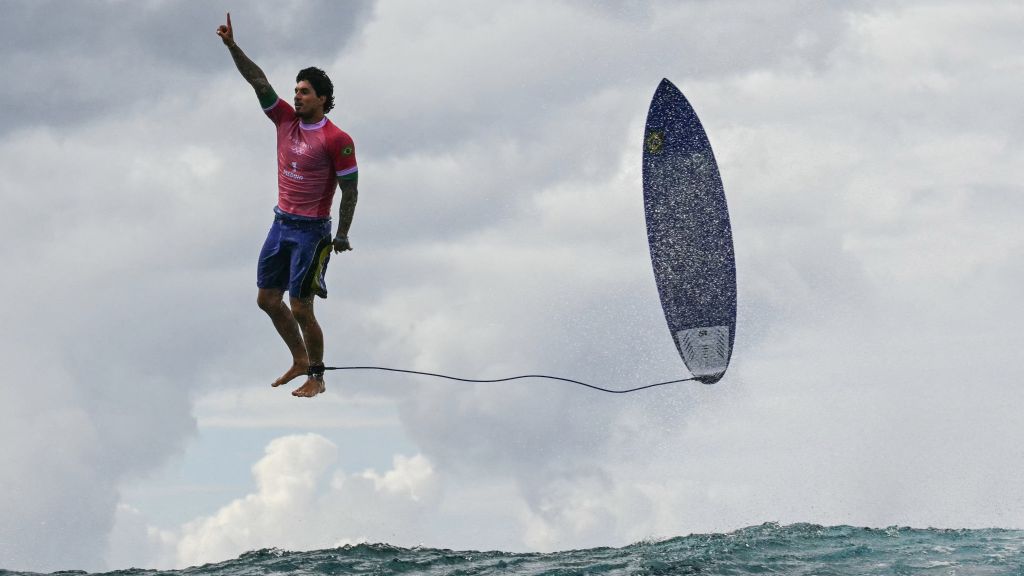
[797, 549]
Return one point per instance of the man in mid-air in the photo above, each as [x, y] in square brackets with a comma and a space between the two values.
[314, 157]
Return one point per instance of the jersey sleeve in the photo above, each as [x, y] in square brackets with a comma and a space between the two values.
[343, 155]
[280, 111]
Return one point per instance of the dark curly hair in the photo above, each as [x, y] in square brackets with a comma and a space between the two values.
[321, 84]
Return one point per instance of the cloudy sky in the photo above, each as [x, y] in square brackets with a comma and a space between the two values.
[872, 154]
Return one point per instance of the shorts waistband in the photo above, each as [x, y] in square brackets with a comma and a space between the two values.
[283, 216]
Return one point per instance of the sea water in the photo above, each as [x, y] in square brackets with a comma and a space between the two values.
[798, 549]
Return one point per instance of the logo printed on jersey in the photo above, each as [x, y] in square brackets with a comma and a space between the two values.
[294, 172]
[347, 151]
[300, 147]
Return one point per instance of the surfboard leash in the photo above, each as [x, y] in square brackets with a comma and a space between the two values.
[319, 370]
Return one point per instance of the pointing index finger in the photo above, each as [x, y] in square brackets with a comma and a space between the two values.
[229, 20]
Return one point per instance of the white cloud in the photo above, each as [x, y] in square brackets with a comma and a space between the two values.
[411, 477]
[302, 501]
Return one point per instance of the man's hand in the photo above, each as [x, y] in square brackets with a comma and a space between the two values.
[226, 33]
[341, 244]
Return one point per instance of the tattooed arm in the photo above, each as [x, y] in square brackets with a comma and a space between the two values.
[349, 197]
[249, 70]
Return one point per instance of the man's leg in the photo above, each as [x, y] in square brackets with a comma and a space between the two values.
[271, 301]
[313, 336]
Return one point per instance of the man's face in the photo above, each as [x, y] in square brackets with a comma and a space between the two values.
[307, 103]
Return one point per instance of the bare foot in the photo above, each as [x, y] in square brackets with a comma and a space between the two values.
[312, 387]
[297, 369]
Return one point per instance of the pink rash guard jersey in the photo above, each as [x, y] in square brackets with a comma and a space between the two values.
[310, 158]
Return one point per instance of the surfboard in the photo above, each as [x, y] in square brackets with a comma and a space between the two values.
[689, 234]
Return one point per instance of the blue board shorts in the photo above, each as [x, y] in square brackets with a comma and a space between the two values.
[295, 255]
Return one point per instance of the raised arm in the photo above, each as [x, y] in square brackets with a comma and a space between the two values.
[249, 70]
[349, 197]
